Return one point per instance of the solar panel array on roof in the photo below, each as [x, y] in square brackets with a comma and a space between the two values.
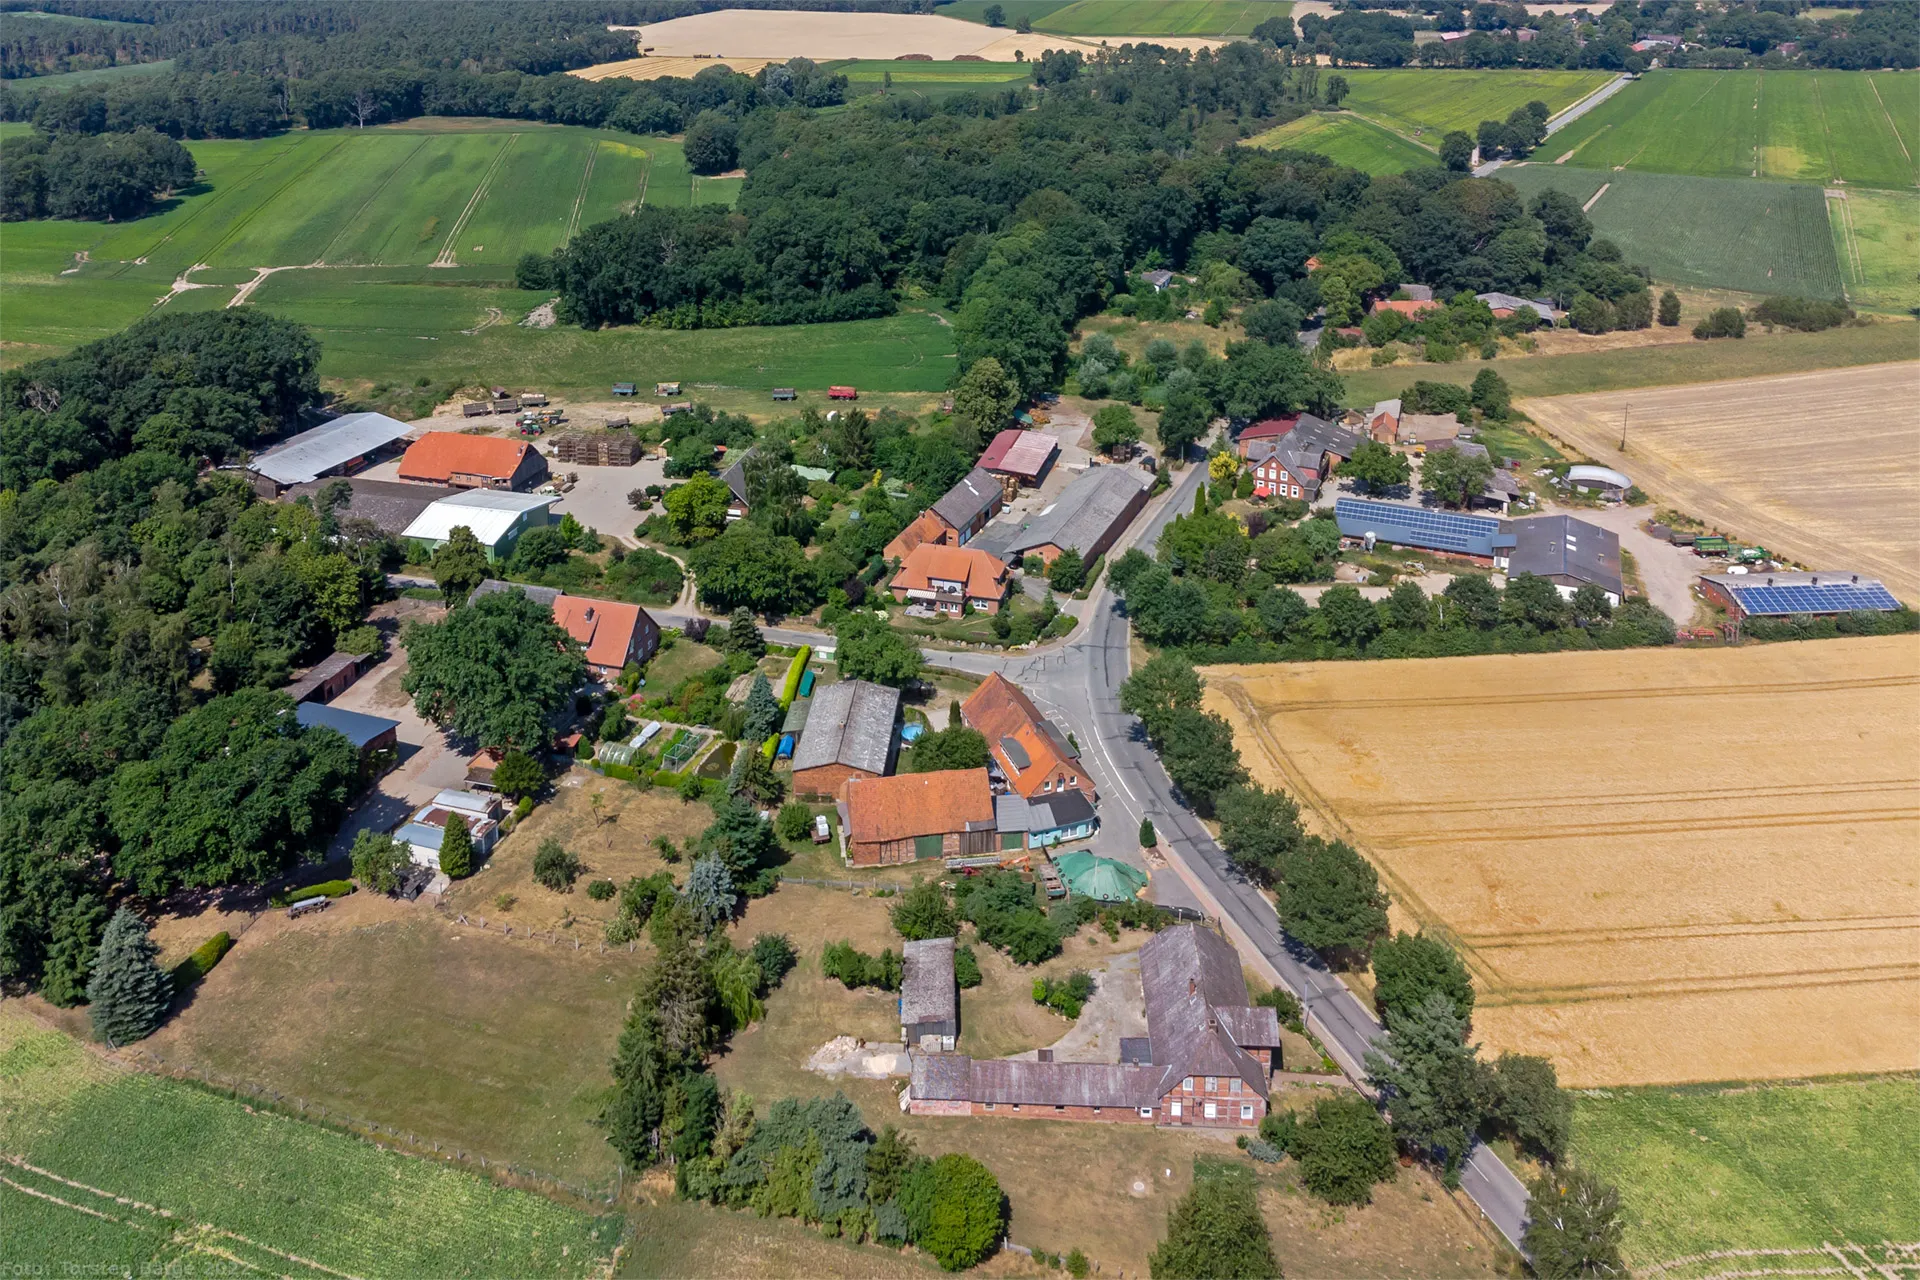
[1838, 597]
[1416, 526]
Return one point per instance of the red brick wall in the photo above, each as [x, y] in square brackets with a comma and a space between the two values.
[1041, 1111]
[827, 780]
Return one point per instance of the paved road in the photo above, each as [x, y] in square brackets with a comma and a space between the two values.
[1566, 117]
[1083, 683]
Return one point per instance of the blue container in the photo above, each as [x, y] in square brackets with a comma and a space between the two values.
[806, 684]
[785, 748]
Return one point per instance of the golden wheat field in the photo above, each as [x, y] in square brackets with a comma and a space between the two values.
[1821, 467]
[1660, 865]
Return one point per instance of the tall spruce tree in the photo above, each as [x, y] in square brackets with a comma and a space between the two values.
[763, 710]
[128, 991]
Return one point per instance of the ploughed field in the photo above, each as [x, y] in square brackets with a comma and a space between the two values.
[1821, 467]
[1660, 865]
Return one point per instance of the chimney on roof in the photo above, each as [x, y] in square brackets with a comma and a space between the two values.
[1043, 1055]
[1856, 577]
[1816, 580]
[1193, 985]
[589, 613]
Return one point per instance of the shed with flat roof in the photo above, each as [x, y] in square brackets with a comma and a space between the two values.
[330, 449]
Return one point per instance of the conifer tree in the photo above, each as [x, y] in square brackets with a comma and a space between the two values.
[456, 848]
[128, 991]
[763, 710]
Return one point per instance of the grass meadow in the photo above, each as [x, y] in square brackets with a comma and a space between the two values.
[116, 1172]
[1797, 1166]
[1014, 10]
[1349, 140]
[1877, 237]
[1758, 355]
[931, 80]
[1160, 17]
[464, 198]
[97, 75]
[1727, 233]
[1857, 127]
[1422, 101]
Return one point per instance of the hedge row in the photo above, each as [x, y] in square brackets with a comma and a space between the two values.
[325, 889]
[791, 685]
[201, 962]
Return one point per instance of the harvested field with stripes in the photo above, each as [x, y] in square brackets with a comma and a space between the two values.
[1739, 456]
[1661, 866]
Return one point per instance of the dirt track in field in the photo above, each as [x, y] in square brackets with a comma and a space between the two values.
[1821, 467]
[1661, 866]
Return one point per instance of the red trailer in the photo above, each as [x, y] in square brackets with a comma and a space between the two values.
[842, 393]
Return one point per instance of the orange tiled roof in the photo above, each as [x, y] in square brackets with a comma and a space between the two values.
[984, 575]
[917, 804]
[604, 628]
[439, 455]
[926, 527]
[1407, 306]
[1000, 711]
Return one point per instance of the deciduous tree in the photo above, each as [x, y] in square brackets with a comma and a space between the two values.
[1432, 1081]
[1409, 967]
[459, 565]
[1216, 1232]
[1573, 1226]
[496, 671]
[1344, 1149]
[1376, 466]
[1331, 897]
[378, 859]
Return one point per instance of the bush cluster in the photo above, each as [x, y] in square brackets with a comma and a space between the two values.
[855, 968]
[1066, 996]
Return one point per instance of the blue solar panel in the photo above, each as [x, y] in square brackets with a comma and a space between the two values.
[1837, 597]
[1417, 526]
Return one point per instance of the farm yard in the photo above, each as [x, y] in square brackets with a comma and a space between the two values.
[1735, 455]
[1711, 878]
[1877, 235]
[133, 1174]
[1800, 1168]
[1726, 233]
[1347, 139]
[1857, 127]
[1425, 103]
[454, 195]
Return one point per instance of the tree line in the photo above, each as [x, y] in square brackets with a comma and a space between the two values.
[94, 178]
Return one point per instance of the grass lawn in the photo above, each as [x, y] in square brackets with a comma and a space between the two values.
[1877, 235]
[392, 1014]
[1855, 127]
[1431, 101]
[687, 657]
[1757, 355]
[673, 1240]
[126, 1172]
[1788, 1166]
[1760, 237]
[1350, 140]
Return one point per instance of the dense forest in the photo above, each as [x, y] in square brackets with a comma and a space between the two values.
[274, 37]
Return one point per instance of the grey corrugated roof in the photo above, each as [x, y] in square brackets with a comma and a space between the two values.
[1008, 1081]
[1253, 1024]
[927, 989]
[1016, 753]
[320, 673]
[736, 476]
[355, 727]
[850, 723]
[1084, 512]
[967, 501]
[1011, 813]
[539, 595]
[942, 1077]
[331, 444]
[388, 504]
[1066, 808]
[797, 713]
[1560, 546]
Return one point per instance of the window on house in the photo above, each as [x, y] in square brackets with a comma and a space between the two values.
[1059, 1108]
[990, 1106]
[1187, 1084]
[1212, 1112]
[1213, 1084]
[1246, 1111]
[1146, 1113]
[1174, 1108]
